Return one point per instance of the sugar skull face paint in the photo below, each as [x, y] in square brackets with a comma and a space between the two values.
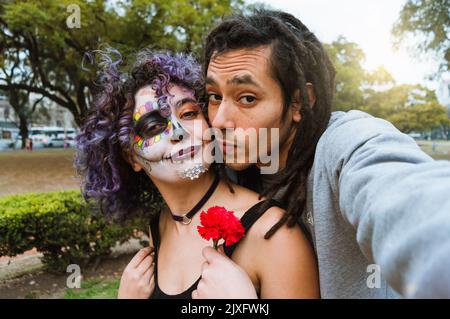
[166, 144]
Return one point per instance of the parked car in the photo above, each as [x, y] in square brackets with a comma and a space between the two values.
[54, 142]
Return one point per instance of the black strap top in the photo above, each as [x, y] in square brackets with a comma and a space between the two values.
[247, 220]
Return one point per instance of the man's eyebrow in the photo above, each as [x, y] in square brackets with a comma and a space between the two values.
[210, 80]
[243, 79]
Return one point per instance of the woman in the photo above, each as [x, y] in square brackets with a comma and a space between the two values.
[144, 136]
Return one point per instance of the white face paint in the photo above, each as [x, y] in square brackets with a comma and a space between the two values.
[166, 144]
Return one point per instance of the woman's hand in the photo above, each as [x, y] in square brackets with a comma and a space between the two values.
[222, 278]
[137, 280]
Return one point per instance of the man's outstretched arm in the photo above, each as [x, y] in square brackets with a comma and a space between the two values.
[396, 197]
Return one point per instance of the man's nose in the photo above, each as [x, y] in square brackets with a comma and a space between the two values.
[223, 117]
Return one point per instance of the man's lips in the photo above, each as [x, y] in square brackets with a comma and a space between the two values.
[188, 152]
[227, 146]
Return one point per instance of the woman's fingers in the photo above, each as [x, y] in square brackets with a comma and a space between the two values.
[149, 272]
[145, 264]
[140, 255]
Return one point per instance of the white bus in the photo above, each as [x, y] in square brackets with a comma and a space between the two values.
[50, 136]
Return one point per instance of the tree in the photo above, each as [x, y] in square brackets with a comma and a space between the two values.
[420, 118]
[411, 108]
[428, 20]
[352, 80]
[383, 103]
[52, 48]
[14, 70]
[350, 75]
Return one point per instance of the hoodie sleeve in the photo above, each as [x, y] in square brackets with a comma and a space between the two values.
[396, 197]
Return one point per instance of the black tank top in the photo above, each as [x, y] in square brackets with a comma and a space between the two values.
[247, 220]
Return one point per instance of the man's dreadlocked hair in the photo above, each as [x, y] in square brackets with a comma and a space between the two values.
[297, 58]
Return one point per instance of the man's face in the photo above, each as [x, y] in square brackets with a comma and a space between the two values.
[166, 145]
[243, 94]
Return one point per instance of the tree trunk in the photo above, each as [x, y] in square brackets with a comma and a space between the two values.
[23, 127]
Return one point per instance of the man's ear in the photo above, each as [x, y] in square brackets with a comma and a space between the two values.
[131, 160]
[296, 116]
[311, 94]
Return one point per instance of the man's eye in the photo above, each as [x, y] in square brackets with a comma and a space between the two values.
[214, 98]
[189, 115]
[247, 99]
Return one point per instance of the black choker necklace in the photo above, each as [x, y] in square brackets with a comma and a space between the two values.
[186, 218]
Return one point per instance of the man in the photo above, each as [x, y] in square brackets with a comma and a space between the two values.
[377, 208]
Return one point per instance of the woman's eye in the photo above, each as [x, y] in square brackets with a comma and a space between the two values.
[247, 99]
[153, 129]
[189, 115]
[214, 98]
[150, 124]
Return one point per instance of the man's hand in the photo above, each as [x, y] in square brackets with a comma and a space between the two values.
[222, 278]
[138, 280]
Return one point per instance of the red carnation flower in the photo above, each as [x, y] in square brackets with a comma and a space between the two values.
[218, 223]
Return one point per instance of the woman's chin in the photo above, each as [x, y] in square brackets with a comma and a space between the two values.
[173, 172]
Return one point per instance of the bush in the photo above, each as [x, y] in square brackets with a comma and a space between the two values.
[62, 226]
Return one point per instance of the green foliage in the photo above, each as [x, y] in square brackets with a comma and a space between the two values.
[351, 77]
[420, 118]
[409, 107]
[428, 21]
[52, 52]
[95, 289]
[62, 226]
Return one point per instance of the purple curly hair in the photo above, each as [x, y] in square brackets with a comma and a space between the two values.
[106, 137]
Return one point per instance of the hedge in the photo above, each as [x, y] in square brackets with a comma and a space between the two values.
[62, 226]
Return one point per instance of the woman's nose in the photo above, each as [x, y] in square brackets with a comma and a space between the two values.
[178, 133]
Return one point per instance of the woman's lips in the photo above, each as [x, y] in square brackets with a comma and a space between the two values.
[188, 152]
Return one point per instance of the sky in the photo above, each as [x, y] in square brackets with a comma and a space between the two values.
[367, 23]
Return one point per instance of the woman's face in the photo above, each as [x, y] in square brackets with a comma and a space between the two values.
[168, 141]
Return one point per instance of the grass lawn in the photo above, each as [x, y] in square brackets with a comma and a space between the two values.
[95, 289]
[42, 170]
[439, 150]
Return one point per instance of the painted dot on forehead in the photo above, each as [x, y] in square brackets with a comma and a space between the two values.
[147, 107]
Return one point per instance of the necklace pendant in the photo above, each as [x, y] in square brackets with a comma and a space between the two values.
[186, 220]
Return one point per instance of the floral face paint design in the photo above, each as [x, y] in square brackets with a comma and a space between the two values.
[148, 107]
[142, 143]
[166, 144]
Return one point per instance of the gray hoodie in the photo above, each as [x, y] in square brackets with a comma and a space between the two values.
[378, 210]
